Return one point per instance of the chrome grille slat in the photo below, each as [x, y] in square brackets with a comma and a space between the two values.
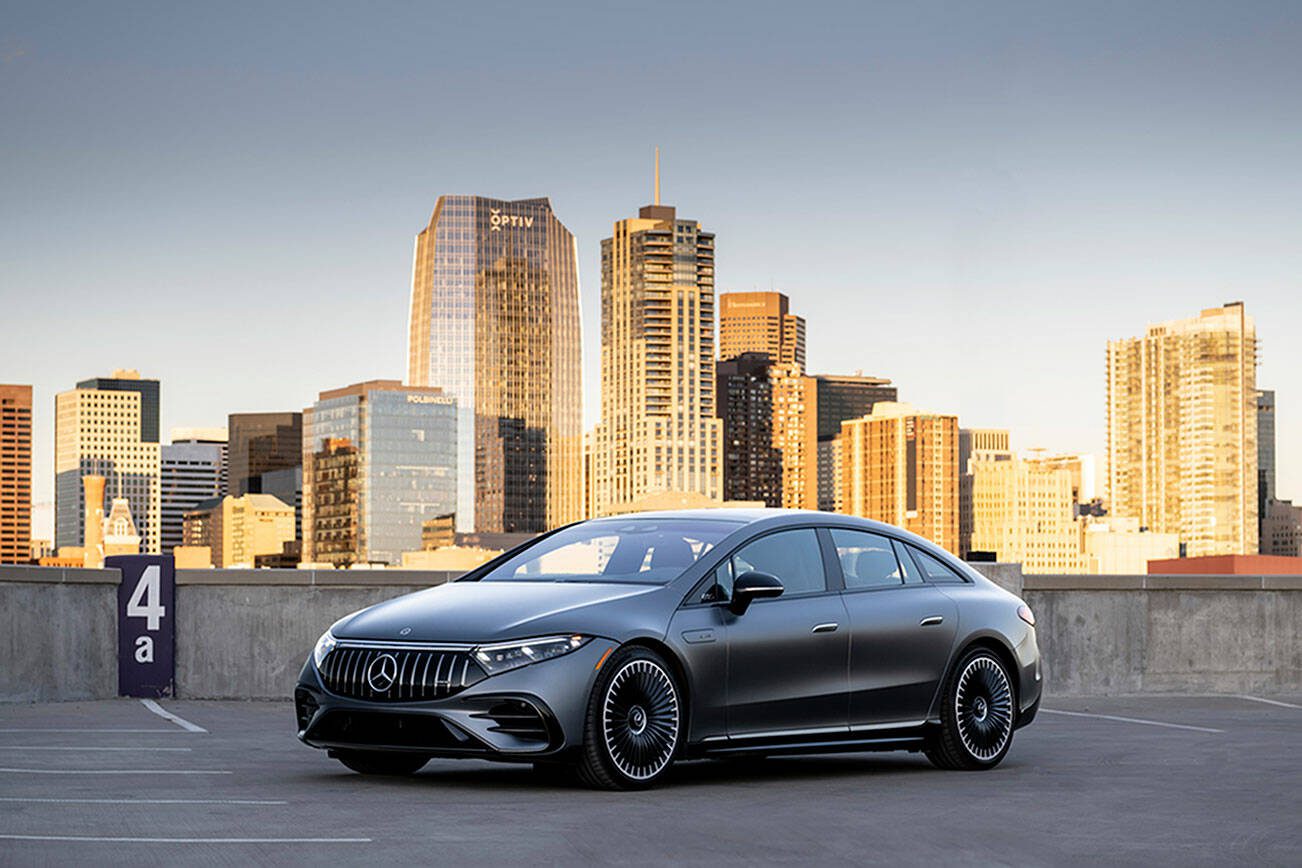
[422, 673]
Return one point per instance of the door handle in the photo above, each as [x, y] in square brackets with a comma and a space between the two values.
[932, 620]
[829, 627]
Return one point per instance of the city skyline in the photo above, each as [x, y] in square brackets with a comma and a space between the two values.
[1122, 173]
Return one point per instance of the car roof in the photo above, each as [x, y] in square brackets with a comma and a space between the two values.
[752, 515]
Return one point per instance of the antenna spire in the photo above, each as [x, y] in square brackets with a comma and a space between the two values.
[657, 184]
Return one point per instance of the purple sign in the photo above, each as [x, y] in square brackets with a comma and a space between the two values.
[146, 619]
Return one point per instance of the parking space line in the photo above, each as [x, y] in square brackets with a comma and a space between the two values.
[1133, 720]
[1267, 701]
[48, 729]
[112, 771]
[96, 748]
[167, 715]
[104, 839]
[48, 801]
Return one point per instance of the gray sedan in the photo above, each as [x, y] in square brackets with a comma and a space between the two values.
[612, 647]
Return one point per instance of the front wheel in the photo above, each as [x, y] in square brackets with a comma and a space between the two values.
[977, 715]
[378, 762]
[634, 722]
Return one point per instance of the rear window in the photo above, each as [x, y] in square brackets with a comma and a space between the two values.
[934, 569]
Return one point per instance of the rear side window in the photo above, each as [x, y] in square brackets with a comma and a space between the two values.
[793, 556]
[867, 560]
[935, 570]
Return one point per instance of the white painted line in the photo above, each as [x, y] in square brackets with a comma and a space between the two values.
[46, 729]
[167, 715]
[34, 747]
[98, 839]
[113, 771]
[1132, 720]
[146, 801]
[1267, 701]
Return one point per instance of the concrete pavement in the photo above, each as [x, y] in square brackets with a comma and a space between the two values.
[1125, 780]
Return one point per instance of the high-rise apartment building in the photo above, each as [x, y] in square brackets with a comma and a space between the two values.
[761, 322]
[900, 465]
[795, 434]
[1182, 430]
[15, 473]
[838, 398]
[752, 465]
[99, 431]
[379, 459]
[495, 324]
[189, 474]
[658, 430]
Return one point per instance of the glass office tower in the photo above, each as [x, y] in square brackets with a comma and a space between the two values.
[379, 459]
[495, 324]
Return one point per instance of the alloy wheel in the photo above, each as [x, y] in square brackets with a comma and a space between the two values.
[640, 719]
[984, 701]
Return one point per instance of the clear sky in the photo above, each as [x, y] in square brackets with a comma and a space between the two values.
[969, 198]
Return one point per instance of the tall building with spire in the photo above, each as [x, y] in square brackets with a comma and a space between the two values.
[495, 325]
[658, 430]
[1182, 430]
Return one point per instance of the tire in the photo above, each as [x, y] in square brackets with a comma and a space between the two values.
[376, 762]
[977, 716]
[634, 724]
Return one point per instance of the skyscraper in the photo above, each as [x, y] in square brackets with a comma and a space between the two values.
[189, 473]
[1265, 450]
[266, 457]
[379, 459]
[658, 430]
[836, 399]
[900, 465]
[100, 431]
[1182, 430]
[15, 473]
[495, 324]
[752, 465]
[218, 437]
[795, 434]
[761, 322]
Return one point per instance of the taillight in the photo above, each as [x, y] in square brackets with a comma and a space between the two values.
[1024, 612]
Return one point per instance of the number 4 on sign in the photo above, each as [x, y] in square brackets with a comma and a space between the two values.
[144, 602]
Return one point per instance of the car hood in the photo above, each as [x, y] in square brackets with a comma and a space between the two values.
[475, 612]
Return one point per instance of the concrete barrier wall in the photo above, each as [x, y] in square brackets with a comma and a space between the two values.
[243, 634]
[58, 634]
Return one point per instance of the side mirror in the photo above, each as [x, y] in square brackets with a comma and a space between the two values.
[753, 586]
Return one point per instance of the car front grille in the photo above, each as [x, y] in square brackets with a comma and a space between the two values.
[397, 674]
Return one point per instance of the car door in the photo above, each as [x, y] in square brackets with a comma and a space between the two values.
[787, 656]
[901, 630]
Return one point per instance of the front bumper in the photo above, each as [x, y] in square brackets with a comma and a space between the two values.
[528, 713]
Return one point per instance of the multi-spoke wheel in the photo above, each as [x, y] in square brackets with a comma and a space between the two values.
[978, 712]
[634, 722]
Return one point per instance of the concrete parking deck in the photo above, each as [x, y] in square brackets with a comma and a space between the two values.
[1189, 780]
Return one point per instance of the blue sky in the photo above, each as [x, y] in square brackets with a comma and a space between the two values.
[967, 198]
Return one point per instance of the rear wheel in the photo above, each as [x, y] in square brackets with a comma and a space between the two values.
[977, 715]
[376, 762]
[634, 722]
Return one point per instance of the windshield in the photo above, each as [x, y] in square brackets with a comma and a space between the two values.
[650, 551]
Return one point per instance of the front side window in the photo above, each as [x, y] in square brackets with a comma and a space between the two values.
[933, 569]
[647, 551]
[793, 556]
[867, 560]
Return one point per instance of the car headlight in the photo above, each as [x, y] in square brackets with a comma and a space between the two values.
[324, 646]
[505, 656]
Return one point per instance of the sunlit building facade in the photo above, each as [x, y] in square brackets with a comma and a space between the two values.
[761, 322]
[839, 397]
[100, 431]
[379, 460]
[900, 465]
[658, 430]
[795, 434]
[1182, 430]
[189, 473]
[495, 324]
[15, 473]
